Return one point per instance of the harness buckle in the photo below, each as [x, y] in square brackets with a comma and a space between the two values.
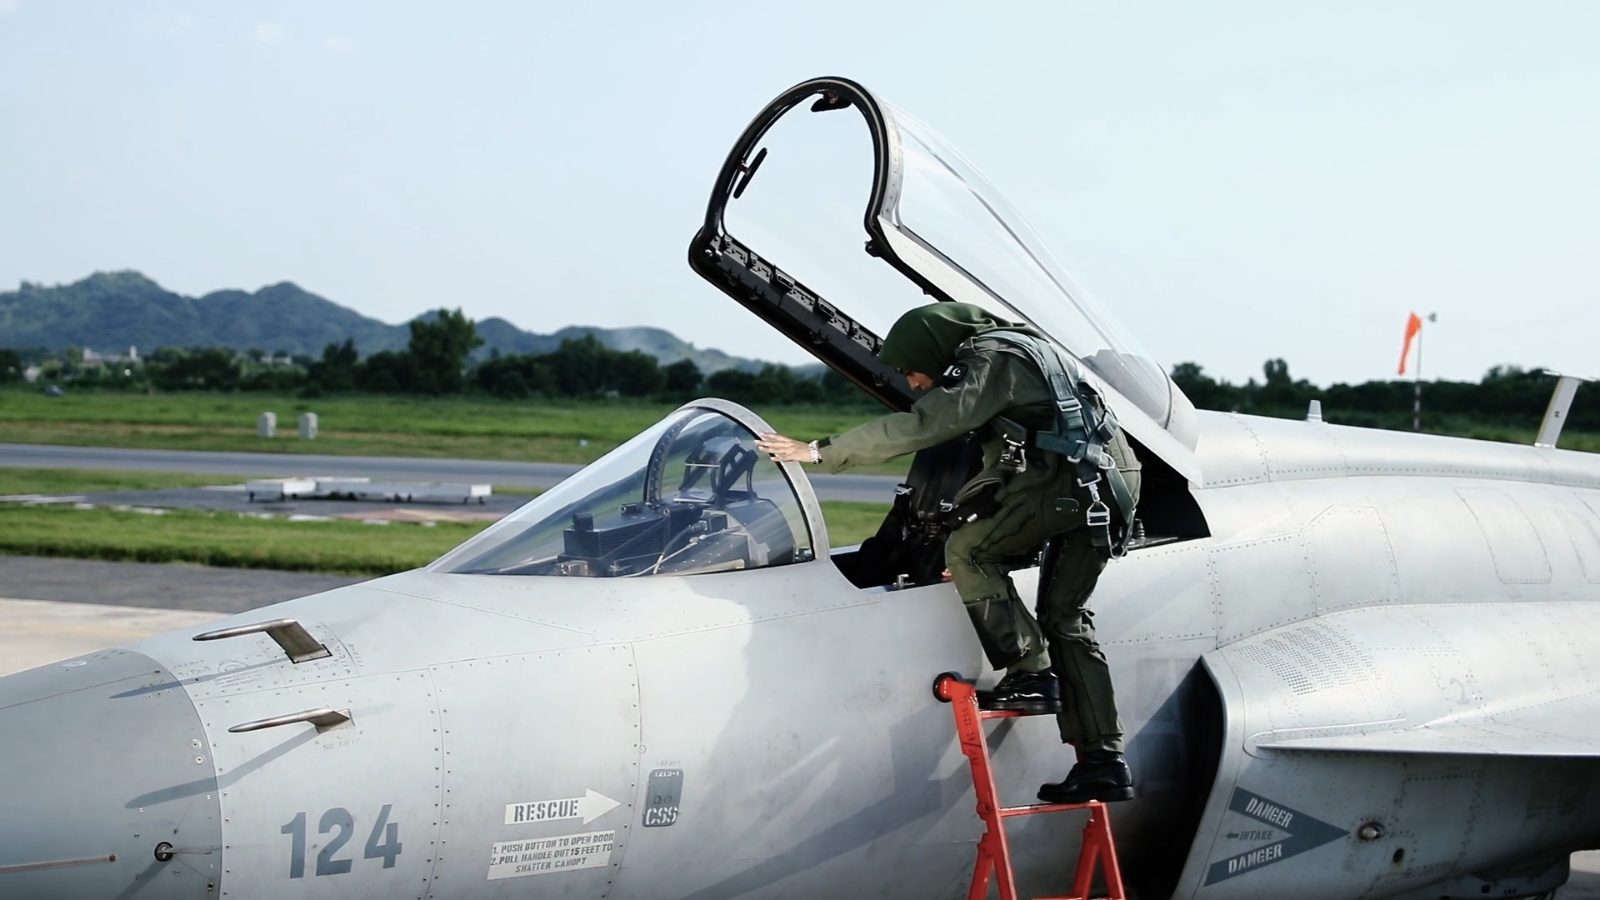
[1099, 515]
[1014, 456]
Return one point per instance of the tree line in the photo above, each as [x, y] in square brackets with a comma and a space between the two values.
[1507, 396]
[436, 362]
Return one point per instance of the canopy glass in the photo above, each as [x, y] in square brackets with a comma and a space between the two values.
[784, 236]
[689, 495]
[961, 220]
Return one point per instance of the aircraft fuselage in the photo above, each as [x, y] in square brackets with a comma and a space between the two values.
[772, 732]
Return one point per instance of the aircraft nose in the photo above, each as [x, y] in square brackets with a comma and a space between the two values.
[107, 783]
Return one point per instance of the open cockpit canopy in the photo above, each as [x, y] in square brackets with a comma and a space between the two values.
[783, 235]
[689, 495]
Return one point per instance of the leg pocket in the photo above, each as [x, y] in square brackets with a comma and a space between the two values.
[1059, 513]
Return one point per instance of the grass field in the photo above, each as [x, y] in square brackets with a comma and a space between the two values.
[852, 523]
[224, 539]
[1459, 426]
[455, 427]
[228, 539]
[58, 482]
[463, 428]
[459, 428]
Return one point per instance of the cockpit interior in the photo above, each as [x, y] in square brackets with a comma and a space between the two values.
[689, 495]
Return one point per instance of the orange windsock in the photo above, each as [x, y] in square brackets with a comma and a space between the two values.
[1413, 327]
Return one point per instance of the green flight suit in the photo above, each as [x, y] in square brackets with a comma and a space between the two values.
[1042, 502]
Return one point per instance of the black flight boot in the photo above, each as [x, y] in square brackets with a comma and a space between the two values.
[1099, 775]
[1035, 693]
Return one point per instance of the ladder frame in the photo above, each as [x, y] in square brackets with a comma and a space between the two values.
[994, 850]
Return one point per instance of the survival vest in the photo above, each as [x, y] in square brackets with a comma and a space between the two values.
[1080, 433]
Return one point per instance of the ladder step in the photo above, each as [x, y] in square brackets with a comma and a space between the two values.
[1098, 850]
[1035, 809]
[1008, 714]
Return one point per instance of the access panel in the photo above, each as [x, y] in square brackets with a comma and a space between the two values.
[541, 762]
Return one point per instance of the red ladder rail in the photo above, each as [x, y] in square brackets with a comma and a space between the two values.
[994, 851]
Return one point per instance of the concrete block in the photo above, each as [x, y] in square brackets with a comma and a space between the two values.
[342, 488]
[267, 425]
[402, 491]
[308, 426]
[280, 488]
[430, 492]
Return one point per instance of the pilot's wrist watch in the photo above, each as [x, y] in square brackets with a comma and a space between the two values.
[816, 452]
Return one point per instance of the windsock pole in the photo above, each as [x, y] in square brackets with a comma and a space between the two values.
[1414, 332]
[1416, 397]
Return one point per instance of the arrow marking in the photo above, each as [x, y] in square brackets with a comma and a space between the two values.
[1302, 833]
[589, 807]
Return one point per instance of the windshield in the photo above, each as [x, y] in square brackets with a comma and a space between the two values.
[689, 495]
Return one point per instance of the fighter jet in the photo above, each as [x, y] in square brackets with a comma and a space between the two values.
[1352, 663]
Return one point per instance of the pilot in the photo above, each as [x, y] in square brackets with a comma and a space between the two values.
[984, 374]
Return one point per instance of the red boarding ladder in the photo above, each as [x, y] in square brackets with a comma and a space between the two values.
[994, 852]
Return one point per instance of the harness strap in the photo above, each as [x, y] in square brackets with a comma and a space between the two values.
[1080, 435]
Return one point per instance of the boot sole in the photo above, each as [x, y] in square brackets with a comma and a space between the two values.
[1109, 795]
[1032, 707]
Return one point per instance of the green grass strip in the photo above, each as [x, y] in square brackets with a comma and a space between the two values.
[850, 522]
[569, 431]
[225, 539]
[231, 540]
[56, 482]
[64, 482]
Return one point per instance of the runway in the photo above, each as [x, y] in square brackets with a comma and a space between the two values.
[194, 588]
[38, 632]
[54, 609]
[856, 488]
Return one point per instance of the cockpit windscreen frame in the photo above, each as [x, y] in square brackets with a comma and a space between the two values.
[724, 506]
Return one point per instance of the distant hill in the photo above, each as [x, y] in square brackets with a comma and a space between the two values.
[665, 346]
[110, 311]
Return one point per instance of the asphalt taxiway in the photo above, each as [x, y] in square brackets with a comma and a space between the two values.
[857, 488]
[54, 609]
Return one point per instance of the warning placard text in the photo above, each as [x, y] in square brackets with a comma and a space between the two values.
[543, 856]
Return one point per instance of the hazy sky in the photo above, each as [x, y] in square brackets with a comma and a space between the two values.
[1233, 181]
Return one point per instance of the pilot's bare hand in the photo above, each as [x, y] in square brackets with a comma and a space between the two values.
[784, 449]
